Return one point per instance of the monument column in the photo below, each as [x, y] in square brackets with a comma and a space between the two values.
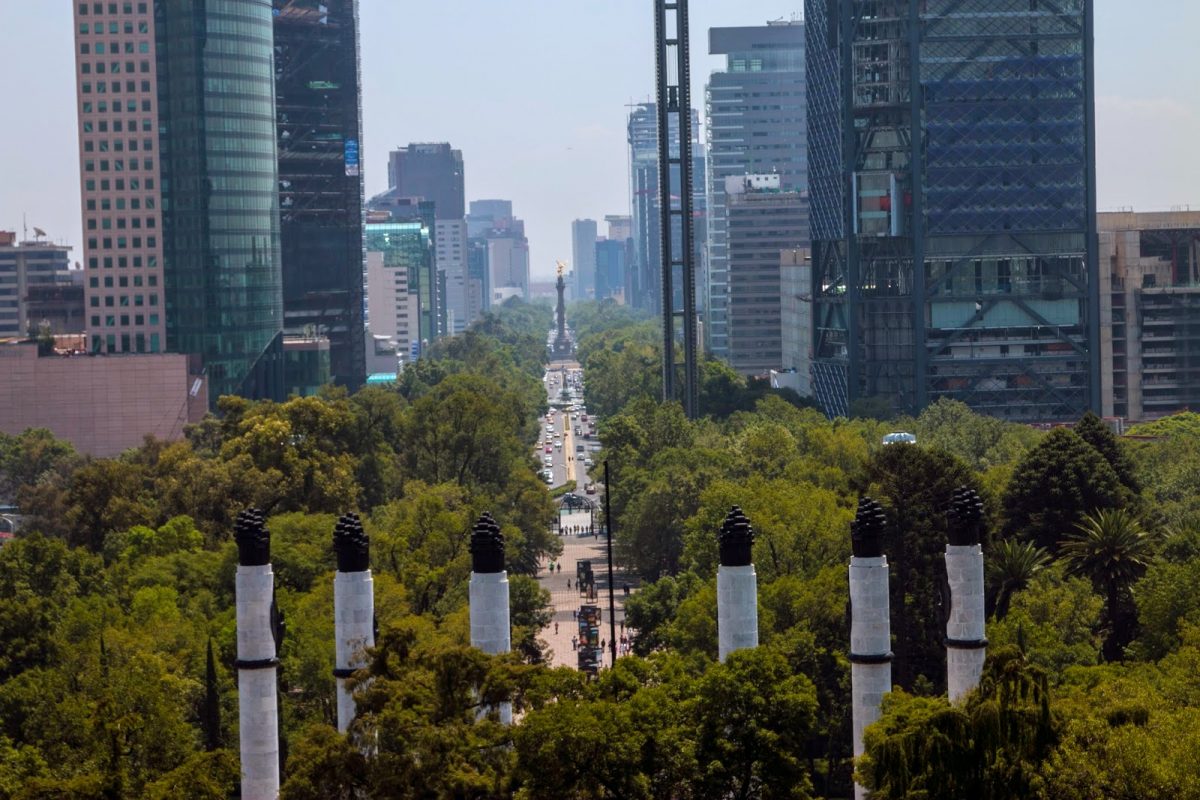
[489, 605]
[353, 609]
[257, 661]
[737, 586]
[966, 647]
[870, 623]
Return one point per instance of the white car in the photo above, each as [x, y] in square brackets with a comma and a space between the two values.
[587, 462]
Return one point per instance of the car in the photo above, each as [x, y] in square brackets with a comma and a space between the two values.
[558, 444]
[549, 448]
[579, 447]
[587, 434]
[587, 462]
[589, 488]
[578, 431]
[584, 416]
[899, 438]
[548, 475]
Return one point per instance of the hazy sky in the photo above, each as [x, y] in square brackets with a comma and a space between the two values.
[534, 93]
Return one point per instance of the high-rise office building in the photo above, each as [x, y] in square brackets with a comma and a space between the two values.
[220, 190]
[583, 255]
[319, 124]
[118, 94]
[612, 262]
[400, 290]
[499, 251]
[1150, 303]
[433, 171]
[755, 114]
[644, 284]
[952, 181]
[762, 220]
[180, 186]
[37, 284]
[450, 248]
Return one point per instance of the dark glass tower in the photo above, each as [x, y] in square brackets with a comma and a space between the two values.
[320, 179]
[952, 180]
[220, 191]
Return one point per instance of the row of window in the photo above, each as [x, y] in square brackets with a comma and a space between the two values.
[106, 223]
[112, 49]
[118, 165]
[122, 262]
[115, 86]
[118, 145]
[101, 106]
[94, 282]
[114, 67]
[106, 203]
[114, 27]
[105, 184]
[98, 8]
[122, 243]
[109, 343]
[139, 300]
[102, 126]
[110, 320]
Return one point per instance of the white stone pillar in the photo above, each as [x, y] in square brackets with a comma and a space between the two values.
[257, 661]
[966, 644]
[737, 609]
[353, 610]
[870, 624]
[489, 604]
[737, 586]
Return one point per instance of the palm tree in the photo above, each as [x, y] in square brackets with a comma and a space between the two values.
[1010, 568]
[1112, 549]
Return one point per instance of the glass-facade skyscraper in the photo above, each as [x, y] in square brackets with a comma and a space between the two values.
[953, 192]
[320, 177]
[220, 191]
[755, 113]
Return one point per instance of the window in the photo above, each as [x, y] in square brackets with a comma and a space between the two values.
[93, 283]
[95, 320]
[86, 68]
[84, 49]
[154, 319]
[83, 27]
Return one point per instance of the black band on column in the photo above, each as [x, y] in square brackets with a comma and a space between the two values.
[878, 658]
[341, 672]
[966, 644]
[262, 663]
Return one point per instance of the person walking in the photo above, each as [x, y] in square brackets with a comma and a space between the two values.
[556, 629]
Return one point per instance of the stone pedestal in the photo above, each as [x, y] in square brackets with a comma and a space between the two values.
[870, 645]
[965, 642]
[258, 703]
[737, 609]
[354, 631]
[490, 630]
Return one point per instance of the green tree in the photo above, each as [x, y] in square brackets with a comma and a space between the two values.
[1009, 567]
[1111, 549]
[1092, 430]
[992, 747]
[1054, 486]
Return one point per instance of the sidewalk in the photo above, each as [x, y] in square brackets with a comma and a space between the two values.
[564, 600]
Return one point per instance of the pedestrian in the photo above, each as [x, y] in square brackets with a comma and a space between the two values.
[602, 642]
[568, 583]
[574, 614]
[556, 629]
[574, 642]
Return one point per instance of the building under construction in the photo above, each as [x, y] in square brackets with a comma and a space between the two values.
[1150, 300]
[952, 182]
[320, 177]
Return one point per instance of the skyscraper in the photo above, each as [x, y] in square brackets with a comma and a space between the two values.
[120, 162]
[583, 254]
[220, 190]
[756, 126]
[320, 177]
[762, 221]
[433, 171]
[952, 174]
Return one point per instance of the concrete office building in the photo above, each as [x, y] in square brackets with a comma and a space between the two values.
[508, 266]
[1149, 313]
[795, 322]
[583, 253]
[755, 115]
[319, 126]
[762, 220]
[952, 181]
[38, 285]
[498, 251]
[433, 171]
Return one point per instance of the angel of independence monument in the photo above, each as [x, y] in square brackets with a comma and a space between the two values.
[562, 343]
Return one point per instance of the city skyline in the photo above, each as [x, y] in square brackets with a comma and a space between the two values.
[552, 140]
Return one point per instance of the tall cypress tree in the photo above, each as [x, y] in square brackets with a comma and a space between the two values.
[210, 714]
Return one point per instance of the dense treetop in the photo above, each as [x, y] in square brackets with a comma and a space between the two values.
[121, 586]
